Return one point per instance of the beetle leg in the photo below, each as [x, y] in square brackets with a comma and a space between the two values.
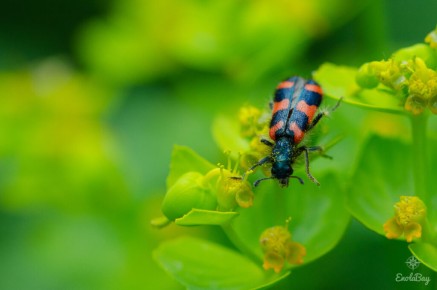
[320, 149]
[306, 150]
[316, 120]
[298, 178]
[265, 160]
[267, 142]
[321, 114]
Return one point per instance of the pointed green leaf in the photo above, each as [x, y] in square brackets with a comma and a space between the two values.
[183, 160]
[200, 264]
[425, 253]
[339, 81]
[383, 174]
[319, 217]
[205, 217]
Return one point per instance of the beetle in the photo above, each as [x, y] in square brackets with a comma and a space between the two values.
[295, 104]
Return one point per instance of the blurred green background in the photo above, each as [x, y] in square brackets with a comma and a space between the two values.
[94, 94]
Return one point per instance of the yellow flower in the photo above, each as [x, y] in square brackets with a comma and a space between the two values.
[389, 72]
[410, 72]
[232, 190]
[249, 120]
[423, 81]
[254, 125]
[410, 213]
[278, 248]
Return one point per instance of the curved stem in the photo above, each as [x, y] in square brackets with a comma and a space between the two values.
[420, 156]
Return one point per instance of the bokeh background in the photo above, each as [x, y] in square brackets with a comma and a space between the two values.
[94, 94]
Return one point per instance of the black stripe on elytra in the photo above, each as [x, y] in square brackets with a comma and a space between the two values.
[311, 98]
[285, 93]
[300, 118]
[278, 116]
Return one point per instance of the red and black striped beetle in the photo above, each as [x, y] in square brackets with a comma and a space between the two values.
[294, 113]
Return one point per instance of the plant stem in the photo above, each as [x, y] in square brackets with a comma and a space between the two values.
[420, 156]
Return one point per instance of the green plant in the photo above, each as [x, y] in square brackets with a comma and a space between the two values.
[390, 169]
[257, 221]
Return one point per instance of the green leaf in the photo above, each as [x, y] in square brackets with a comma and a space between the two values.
[205, 217]
[272, 281]
[425, 253]
[339, 81]
[319, 217]
[183, 160]
[200, 264]
[226, 133]
[383, 174]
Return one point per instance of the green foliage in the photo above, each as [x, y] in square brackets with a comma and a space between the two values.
[388, 169]
[426, 253]
[318, 215]
[339, 81]
[86, 140]
[381, 176]
[243, 40]
[319, 209]
[184, 160]
[198, 264]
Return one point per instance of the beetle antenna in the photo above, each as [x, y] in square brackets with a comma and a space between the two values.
[298, 178]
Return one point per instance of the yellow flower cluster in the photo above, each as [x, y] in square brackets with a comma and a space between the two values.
[410, 214]
[278, 248]
[254, 124]
[410, 72]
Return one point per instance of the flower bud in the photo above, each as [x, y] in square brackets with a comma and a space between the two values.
[366, 77]
[187, 193]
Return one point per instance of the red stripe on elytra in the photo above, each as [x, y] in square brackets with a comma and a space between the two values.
[285, 85]
[314, 88]
[282, 105]
[298, 133]
[275, 128]
[308, 110]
